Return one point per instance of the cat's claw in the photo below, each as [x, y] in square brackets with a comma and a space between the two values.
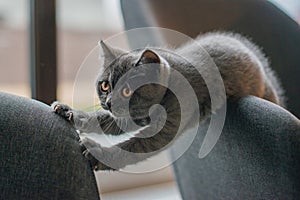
[70, 118]
[87, 143]
[86, 153]
[56, 108]
[63, 110]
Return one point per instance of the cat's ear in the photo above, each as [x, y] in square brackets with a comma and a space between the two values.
[149, 56]
[110, 53]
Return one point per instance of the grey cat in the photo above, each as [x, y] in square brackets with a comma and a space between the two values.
[242, 66]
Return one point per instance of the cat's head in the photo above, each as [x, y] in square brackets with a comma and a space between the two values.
[136, 78]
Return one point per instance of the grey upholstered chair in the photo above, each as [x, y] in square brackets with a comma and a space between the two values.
[258, 153]
[40, 154]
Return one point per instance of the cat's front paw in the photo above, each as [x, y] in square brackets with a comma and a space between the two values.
[90, 150]
[62, 110]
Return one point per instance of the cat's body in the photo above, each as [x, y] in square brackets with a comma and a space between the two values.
[243, 68]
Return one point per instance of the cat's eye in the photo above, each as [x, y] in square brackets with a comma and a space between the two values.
[126, 92]
[104, 86]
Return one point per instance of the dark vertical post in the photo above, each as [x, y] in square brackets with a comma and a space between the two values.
[43, 59]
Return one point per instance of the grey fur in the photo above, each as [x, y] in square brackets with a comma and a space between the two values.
[243, 67]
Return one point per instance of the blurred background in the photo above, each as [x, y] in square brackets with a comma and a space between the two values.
[80, 25]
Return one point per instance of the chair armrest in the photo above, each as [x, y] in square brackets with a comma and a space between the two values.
[40, 154]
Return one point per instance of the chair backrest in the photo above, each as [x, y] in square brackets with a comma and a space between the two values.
[253, 159]
[267, 25]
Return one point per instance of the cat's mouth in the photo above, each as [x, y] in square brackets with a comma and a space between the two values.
[138, 121]
[134, 115]
[103, 105]
[139, 116]
[117, 113]
[143, 121]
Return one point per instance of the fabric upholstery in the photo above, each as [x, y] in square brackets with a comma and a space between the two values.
[256, 156]
[40, 154]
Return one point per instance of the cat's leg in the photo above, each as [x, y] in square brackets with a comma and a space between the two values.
[88, 122]
[129, 152]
